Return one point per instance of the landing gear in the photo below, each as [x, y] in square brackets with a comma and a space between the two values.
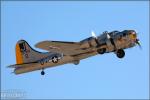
[120, 53]
[42, 72]
[101, 51]
[55, 59]
[76, 62]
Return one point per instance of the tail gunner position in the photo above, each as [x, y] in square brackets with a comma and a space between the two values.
[61, 52]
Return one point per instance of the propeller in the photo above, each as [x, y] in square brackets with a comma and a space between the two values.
[138, 43]
[108, 36]
[95, 37]
[93, 34]
[110, 39]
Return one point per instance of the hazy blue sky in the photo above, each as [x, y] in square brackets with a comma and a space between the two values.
[100, 77]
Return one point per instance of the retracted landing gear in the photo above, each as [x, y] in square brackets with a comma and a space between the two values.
[76, 62]
[42, 72]
[120, 53]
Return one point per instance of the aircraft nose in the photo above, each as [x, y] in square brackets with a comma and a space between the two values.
[133, 38]
[133, 35]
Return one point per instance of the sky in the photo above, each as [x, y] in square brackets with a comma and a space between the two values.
[98, 77]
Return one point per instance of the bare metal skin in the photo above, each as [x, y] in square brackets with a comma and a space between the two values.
[61, 52]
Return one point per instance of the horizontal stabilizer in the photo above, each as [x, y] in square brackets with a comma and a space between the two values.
[21, 65]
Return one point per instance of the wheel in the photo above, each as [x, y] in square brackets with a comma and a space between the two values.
[120, 53]
[101, 51]
[76, 62]
[42, 72]
[55, 59]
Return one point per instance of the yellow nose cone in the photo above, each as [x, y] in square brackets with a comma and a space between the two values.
[133, 36]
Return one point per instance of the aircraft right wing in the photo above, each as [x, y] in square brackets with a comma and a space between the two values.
[67, 48]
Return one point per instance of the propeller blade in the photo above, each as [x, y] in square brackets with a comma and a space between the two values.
[93, 34]
[108, 36]
[138, 43]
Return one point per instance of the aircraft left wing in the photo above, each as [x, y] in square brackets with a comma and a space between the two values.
[67, 48]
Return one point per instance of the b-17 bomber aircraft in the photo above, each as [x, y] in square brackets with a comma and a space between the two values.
[61, 52]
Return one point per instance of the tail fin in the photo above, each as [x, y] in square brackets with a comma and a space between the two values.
[25, 54]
